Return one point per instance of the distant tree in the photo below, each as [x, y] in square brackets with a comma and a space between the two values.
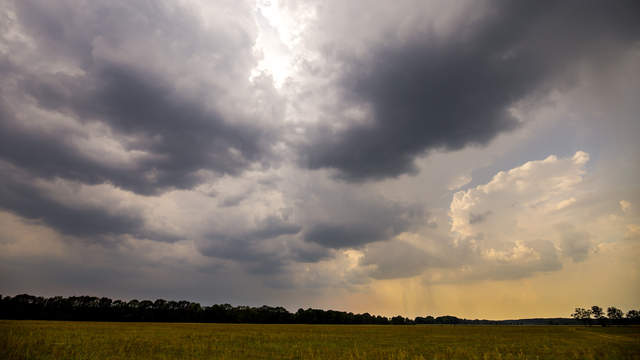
[583, 315]
[105, 303]
[424, 320]
[91, 308]
[596, 311]
[145, 310]
[614, 314]
[447, 319]
[598, 314]
[633, 315]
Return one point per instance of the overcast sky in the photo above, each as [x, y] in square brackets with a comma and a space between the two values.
[472, 158]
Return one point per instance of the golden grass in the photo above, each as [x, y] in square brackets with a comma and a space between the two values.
[94, 340]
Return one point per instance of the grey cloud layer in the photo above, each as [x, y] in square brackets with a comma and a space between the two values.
[249, 246]
[382, 223]
[428, 92]
[320, 227]
[150, 80]
[342, 216]
[20, 196]
[144, 109]
[87, 220]
[400, 259]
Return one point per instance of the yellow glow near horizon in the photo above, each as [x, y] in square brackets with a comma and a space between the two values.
[596, 281]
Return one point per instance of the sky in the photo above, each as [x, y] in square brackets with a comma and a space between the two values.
[469, 158]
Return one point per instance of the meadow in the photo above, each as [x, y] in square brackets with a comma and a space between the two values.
[23, 339]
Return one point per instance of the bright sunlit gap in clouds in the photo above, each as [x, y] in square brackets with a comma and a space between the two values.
[277, 43]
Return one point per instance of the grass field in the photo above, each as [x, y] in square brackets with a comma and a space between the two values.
[92, 340]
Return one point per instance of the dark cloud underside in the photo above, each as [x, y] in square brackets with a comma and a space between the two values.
[143, 109]
[428, 92]
[249, 247]
[378, 222]
[181, 136]
[112, 93]
[20, 196]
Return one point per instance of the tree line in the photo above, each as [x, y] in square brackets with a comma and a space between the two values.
[614, 316]
[91, 308]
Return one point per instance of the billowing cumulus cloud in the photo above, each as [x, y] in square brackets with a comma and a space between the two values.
[518, 224]
[520, 219]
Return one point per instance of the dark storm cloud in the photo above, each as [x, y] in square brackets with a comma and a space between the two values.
[352, 221]
[373, 225]
[189, 137]
[249, 247]
[427, 92]
[180, 135]
[274, 226]
[307, 252]
[342, 236]
[29, 201]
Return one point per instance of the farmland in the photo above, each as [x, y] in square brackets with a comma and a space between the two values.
[103, 340]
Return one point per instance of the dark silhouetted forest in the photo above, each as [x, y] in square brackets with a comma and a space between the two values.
[91, 308]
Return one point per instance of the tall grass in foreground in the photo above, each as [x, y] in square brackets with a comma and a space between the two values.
[91, 340]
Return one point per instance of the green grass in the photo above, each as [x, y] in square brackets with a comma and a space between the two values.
[93, 340]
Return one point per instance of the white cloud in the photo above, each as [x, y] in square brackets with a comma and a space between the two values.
[536, 188]
[523, 216]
